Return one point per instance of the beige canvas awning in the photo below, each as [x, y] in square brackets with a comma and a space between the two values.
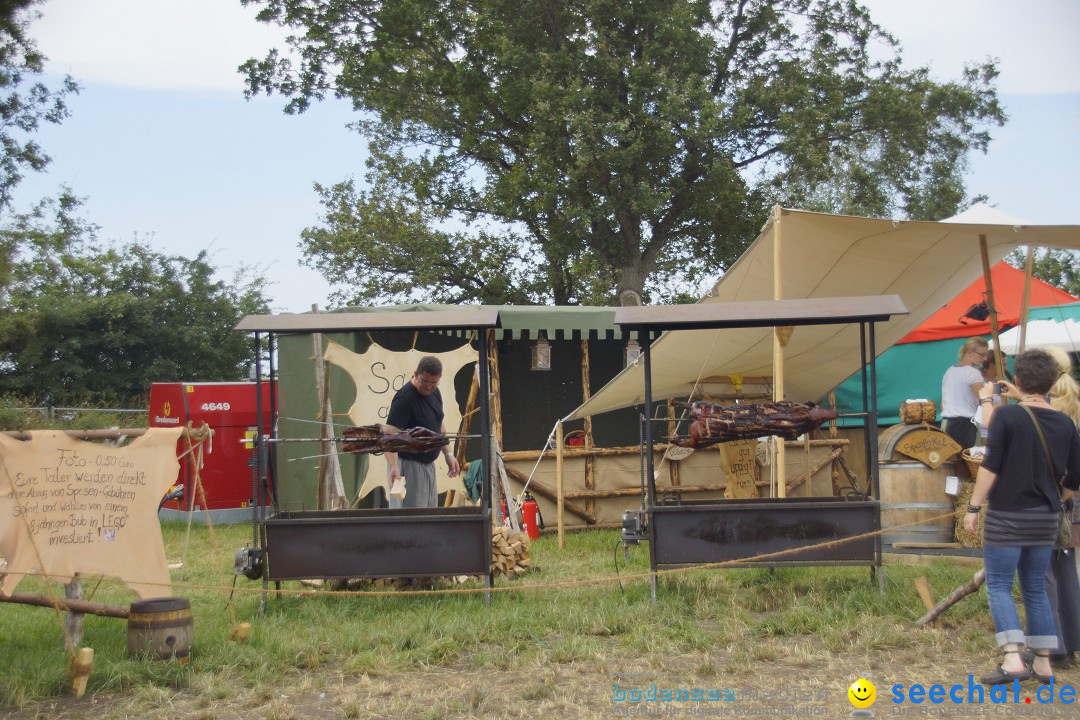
[821, 255]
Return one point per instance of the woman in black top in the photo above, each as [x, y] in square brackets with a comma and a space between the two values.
[1021, 523]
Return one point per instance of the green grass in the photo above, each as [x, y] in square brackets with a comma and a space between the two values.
[15, 414]
[325, 632]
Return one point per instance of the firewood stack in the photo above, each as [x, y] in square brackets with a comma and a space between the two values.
[509, 552]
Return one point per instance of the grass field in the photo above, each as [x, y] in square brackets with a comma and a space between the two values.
[552, 650]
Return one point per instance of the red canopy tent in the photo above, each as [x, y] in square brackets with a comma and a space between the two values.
[948, 322]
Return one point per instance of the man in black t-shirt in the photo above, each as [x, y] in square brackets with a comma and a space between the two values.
[419, 404]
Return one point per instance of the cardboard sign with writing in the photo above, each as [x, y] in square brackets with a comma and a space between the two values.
[929, 446]
[69, 506]
[740, 458]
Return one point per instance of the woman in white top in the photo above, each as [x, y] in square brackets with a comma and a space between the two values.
[960, 392]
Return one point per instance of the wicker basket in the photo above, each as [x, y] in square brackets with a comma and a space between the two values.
[971, 462]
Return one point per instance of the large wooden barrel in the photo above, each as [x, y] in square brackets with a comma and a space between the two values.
[912, 492]
[161, 628]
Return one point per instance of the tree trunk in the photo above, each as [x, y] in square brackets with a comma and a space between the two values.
[631, 278]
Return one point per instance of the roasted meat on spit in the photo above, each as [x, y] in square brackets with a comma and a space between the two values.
[377, 439]
[711, 424]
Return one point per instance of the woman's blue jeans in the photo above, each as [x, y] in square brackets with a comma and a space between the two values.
[1030, 563]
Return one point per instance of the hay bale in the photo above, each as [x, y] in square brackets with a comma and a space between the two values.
[963, 497]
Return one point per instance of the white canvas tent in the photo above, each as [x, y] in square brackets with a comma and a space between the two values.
[1043, 333]
[801, 254]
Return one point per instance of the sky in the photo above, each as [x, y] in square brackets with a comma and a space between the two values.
[165, 149]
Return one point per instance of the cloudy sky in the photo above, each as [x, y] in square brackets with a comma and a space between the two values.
[164, 147]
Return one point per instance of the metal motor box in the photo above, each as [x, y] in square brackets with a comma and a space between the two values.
[230, 410]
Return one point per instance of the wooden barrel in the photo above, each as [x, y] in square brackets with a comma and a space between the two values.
[912, 492]
[161, 628]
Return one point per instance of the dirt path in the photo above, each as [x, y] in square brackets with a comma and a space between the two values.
[799, 684]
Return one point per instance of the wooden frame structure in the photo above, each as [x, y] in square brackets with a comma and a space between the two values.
[703, 532]
[410, 542]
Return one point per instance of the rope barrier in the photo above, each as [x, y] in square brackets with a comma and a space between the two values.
[560, 585]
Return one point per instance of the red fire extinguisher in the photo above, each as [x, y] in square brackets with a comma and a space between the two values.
[531, 518]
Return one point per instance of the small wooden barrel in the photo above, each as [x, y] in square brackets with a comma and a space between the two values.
[161, 628]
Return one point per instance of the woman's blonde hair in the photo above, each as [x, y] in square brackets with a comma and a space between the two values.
[1065, 393]
[972, 343]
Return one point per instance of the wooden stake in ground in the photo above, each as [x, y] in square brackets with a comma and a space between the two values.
[82, 667]
[923, 586]
[954, 597]
[74, 624]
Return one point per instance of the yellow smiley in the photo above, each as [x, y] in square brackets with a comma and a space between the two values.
[862, 693]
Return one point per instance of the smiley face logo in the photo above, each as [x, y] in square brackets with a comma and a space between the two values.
[862, 693]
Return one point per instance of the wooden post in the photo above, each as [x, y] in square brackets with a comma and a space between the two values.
[834, 471]
[777, 470]
[1028, 267]
[586, 393]
[495, 399]
[806, 465]
[504, 483]
[466, 420]
[74, 624]
[985, 254]
[331, 486]
[559, 479]
[673, 428]
[923, 586]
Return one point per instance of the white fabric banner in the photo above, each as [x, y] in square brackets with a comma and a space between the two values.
[69, 506]
[378, 373]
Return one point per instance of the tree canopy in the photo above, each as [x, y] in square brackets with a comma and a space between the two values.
[80, 323]
[566, 152]
[24, 102]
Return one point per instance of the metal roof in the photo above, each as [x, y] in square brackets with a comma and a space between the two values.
[762, 313]
[466, 317]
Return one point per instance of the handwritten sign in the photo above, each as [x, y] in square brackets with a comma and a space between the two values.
[378, 373]
[70, 506]
[930, 446]
[740, 457]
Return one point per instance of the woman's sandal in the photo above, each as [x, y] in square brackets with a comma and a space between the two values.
[1043, 679]
[1001, 676]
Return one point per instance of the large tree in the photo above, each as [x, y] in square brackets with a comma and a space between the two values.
[566, 152]
[81, 323]
[25, 101]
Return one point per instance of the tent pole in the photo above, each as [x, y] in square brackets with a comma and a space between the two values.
[990, 302]
[559, 479]
[778, 466]
[1028, 267]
